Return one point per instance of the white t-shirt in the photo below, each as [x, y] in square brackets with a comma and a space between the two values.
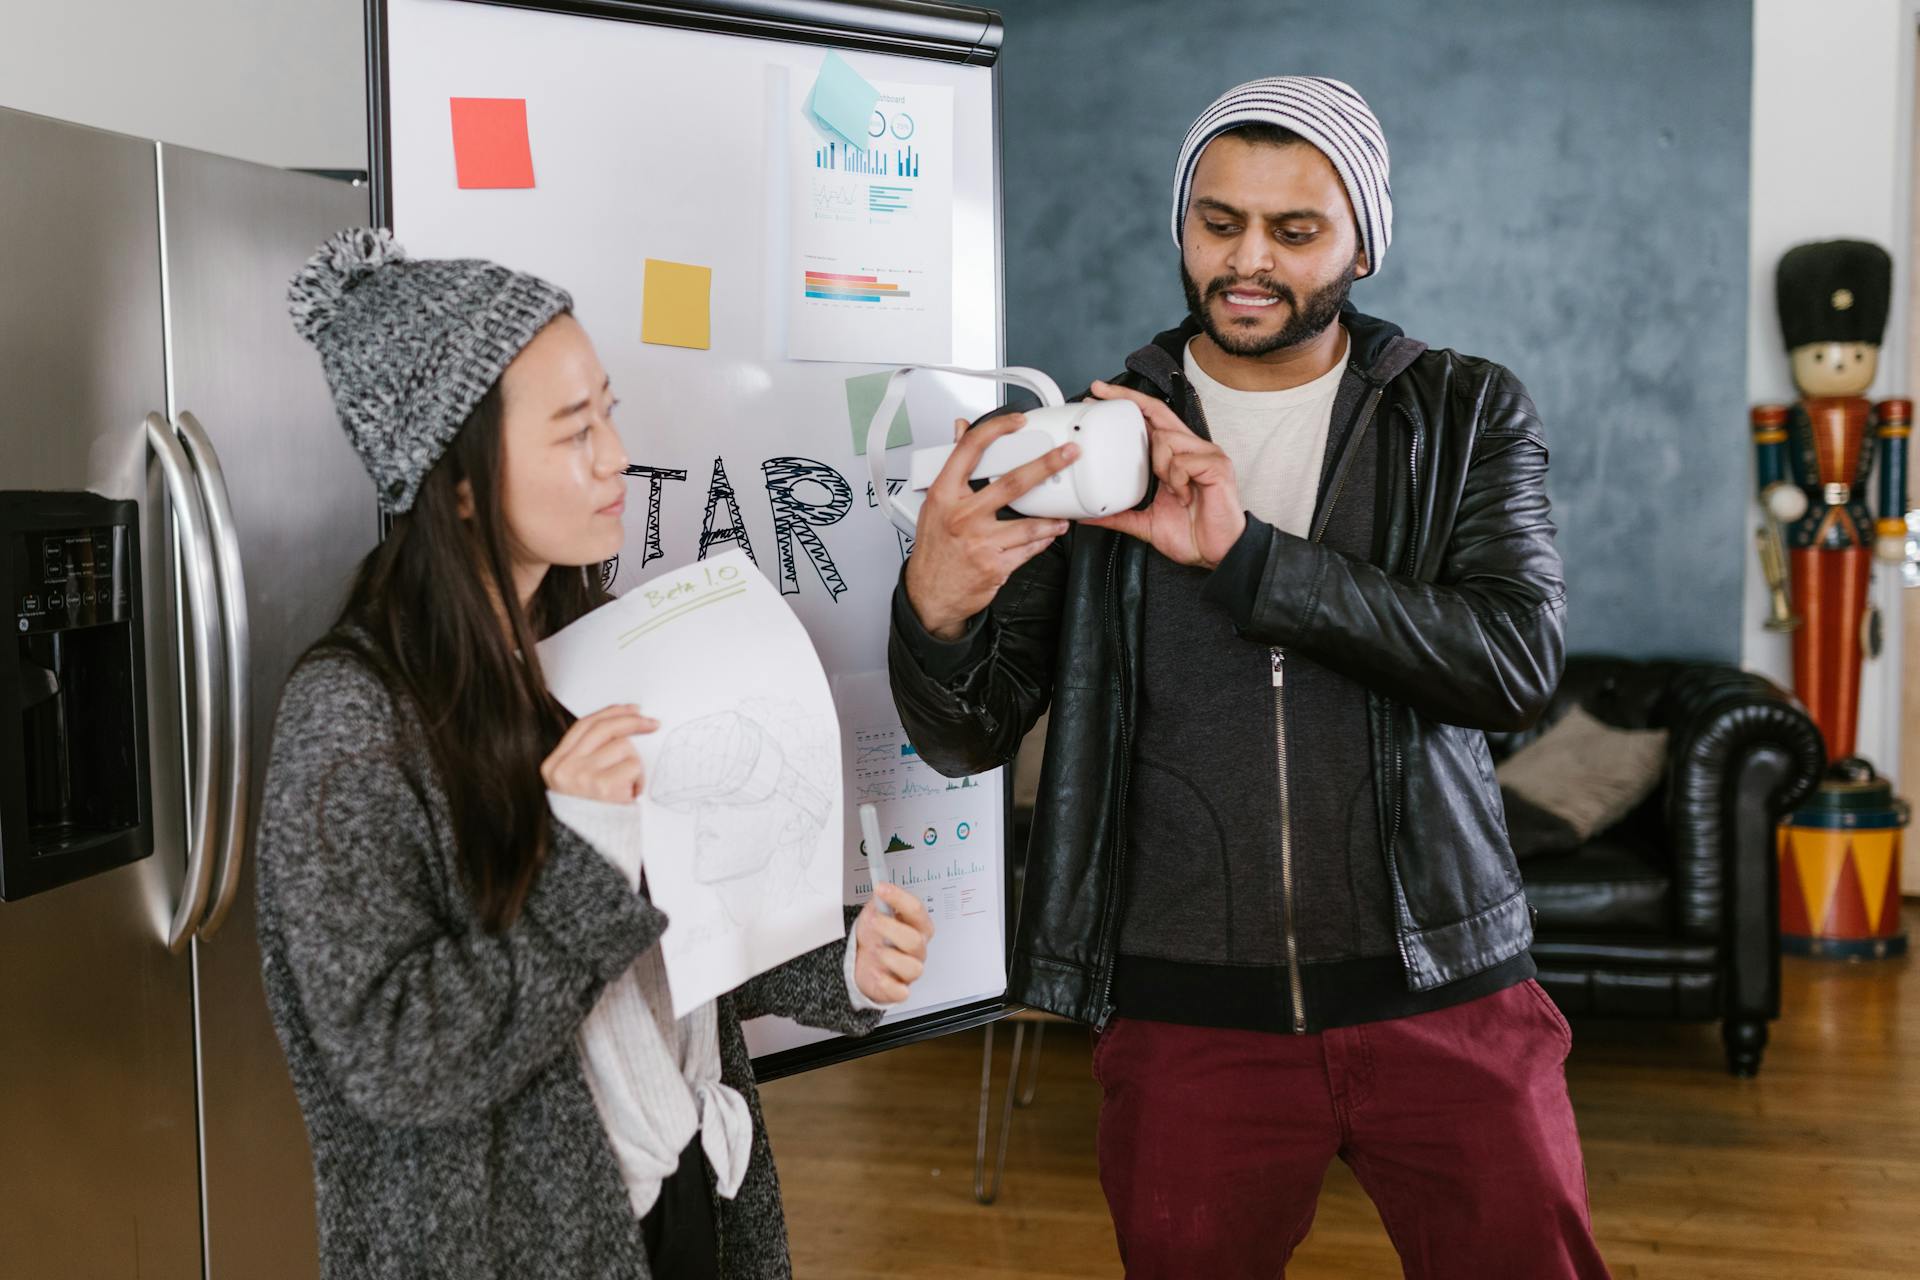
[1277, 440]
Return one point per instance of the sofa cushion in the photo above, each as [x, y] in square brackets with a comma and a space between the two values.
[1625, 952]
[1613, 883]
[1587, 774]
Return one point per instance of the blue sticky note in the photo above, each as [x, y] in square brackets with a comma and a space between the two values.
[842, 102]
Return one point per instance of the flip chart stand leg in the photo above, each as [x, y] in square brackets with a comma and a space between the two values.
[1014, 1096]
[1025, 1099]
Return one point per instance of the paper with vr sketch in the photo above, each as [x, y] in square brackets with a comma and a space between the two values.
[741, 811]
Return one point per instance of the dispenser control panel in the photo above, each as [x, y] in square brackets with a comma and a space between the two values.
[67, 578]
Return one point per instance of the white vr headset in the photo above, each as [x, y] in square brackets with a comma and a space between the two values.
[1112, 474]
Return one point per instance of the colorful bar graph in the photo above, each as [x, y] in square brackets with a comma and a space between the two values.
[833, 287]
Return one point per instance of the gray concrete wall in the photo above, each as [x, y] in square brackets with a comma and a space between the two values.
[1571, 199]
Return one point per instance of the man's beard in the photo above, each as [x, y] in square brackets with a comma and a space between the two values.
[1303, 322]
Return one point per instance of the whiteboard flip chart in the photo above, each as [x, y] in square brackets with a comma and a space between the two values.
[656, 141]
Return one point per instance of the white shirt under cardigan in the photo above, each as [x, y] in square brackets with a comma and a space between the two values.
[1276, 440]
[656, 1080]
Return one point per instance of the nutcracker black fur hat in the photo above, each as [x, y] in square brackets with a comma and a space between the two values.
[1834, 291]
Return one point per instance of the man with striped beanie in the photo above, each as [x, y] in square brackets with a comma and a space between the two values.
[1269, 859]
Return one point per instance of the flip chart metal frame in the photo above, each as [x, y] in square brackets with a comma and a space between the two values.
[939, 32]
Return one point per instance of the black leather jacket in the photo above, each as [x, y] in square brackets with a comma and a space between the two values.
[1455, 626]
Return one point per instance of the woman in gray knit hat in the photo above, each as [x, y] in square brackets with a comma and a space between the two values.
[459, 955]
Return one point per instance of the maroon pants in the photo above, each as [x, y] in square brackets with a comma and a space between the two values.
[1213, 1143]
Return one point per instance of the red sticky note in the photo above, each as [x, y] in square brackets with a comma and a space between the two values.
[490, 147]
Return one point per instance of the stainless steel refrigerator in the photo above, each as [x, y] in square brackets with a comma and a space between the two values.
[179, 514]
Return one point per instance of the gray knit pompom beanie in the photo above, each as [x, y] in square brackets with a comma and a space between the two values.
[411, 345]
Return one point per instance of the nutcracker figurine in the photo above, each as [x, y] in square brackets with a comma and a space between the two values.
[1840, 854]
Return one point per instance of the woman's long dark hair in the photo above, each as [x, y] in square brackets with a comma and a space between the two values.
[426, 613]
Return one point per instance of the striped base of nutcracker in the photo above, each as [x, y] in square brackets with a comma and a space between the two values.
[1840, 873]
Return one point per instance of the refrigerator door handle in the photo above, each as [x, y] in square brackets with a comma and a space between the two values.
[197, 569]
[236, 633]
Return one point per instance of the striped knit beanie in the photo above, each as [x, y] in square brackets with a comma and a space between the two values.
[1328, 114]
[410, 345]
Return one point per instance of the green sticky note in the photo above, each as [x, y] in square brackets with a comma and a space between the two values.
[843, 101]
[864, 394]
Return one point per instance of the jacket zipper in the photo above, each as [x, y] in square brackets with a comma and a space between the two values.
[1118, 883]
[1399, 749]
[1295, 988]
[1413, 545]
[1290, 935]
[1413, 487]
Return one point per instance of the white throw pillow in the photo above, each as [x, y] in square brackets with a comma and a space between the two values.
[1589, 774]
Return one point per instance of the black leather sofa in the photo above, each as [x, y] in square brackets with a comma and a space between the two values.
[1674, 912]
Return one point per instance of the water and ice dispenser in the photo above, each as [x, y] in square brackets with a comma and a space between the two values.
[74, 796]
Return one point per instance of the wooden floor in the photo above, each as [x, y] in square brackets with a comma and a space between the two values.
[1811, 1171]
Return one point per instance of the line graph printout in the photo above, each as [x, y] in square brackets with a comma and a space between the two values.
[741, 816]
[936, 829]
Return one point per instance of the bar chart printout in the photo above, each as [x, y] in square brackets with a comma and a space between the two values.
[838, 158]
[933, 827]
[844, 288]
[872, 228]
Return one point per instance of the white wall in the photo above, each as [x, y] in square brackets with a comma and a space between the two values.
[277, 81]
[1833, 122]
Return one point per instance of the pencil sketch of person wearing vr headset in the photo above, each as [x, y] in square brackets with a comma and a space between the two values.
[757, 780]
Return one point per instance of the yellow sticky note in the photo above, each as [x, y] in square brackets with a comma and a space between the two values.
[677, 309]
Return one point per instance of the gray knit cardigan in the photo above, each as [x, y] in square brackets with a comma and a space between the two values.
[453, 1132]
